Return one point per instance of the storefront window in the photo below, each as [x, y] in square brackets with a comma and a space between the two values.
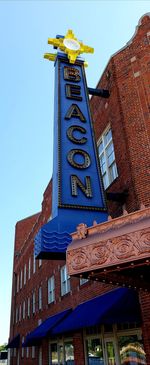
[61, 354]
[131, 350]
[110, 352]
[94, 352]
[54, 354]
[69, 354]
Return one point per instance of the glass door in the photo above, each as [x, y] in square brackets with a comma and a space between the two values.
[111, 354]
[56, 354]
[94, 351]
[53, 354]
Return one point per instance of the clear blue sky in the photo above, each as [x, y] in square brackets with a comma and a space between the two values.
[26, 100]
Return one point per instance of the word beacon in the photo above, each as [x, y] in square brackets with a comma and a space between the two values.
[79, 181]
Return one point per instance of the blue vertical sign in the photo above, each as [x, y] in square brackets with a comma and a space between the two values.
[78, 195]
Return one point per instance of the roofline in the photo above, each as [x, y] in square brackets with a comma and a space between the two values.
[126, 45]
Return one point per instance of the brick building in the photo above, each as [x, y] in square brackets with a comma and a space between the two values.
[100, 313]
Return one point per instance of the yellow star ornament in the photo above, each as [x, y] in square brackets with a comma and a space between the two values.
[69, 45]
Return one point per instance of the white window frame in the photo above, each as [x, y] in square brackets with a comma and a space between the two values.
[29, 268]
[65, 280]
[25, 274]
[17, 283]
[39, 321]
[34, 264]
[27, 352]
[106, 174]
[14, 352]
[33, 352]
[28, 307]
[40, 356]
[33, 302]
[40, 262]
[40, 297]
[24, 310]
[51, 289]
[21, 279]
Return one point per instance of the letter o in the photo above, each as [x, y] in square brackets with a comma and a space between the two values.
[87, 161]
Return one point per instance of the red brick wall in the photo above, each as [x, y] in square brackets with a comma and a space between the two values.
[23, 228]
[127, 77]
[79, 357]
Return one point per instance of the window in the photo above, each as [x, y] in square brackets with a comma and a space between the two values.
[83, 281]
[21, 279]
[33, 302]
[28, 307]
[69, 352]
[40, 262]
[33, 352]
[14, 351]
[62, 353]
[40, 356]
[65, 281]
[17, 283]
[54, 353]
[29, 268]
[34, 264]
[51, 289]
[94, 350]
[25, 272]
[40, 297]
[131, 349]
[107, 158]
[24, 310]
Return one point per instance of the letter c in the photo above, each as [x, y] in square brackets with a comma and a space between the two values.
[72, 138]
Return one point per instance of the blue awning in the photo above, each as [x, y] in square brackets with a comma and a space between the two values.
[14, 343]
[117, 306]
[44, 329]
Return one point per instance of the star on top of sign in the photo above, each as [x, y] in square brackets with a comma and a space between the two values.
[70, 45]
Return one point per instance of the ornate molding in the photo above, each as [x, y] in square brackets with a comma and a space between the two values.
[131, 220]
[111, 252]
[82, 230]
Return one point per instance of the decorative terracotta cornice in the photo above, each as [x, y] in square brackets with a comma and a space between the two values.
[141, 217]
[116, 242]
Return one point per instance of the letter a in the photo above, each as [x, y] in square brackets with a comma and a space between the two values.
[75, 112]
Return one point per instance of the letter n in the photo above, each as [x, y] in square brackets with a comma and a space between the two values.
[77, 183]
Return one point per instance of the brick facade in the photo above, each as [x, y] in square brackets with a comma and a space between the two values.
[127, 111]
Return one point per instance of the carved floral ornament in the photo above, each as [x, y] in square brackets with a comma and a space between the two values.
[82, 230]
[110, 252]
